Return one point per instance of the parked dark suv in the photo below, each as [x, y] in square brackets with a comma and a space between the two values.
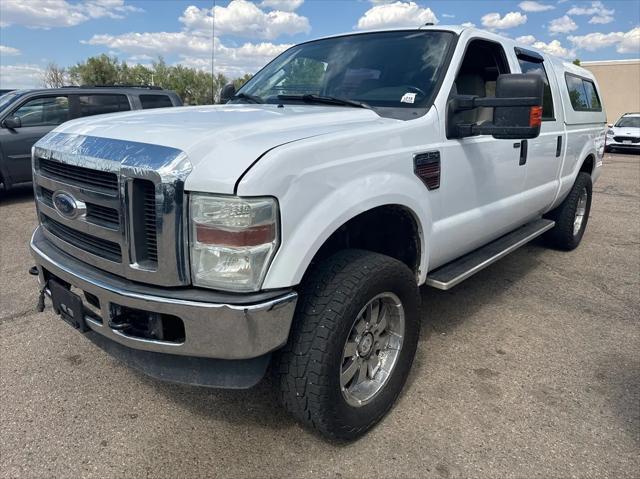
[28, 115]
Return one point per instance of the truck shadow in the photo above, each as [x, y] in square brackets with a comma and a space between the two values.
[442, 312]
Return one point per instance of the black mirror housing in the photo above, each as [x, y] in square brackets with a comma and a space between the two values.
[227, 93]
[12, 122]
[518, 122]
[517, 109]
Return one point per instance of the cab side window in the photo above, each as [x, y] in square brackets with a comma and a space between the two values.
[483, 62]
[528, 65]
[44, 111]
[582, 93]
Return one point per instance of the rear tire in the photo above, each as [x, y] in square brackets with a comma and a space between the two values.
[343, 302]
[572, 215]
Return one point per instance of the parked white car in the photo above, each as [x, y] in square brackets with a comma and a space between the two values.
[293, 225]
[625, 134]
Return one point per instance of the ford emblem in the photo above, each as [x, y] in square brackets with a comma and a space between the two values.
[65, 204]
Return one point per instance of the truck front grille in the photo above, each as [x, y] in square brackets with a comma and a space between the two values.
[620, 139]
[97, 214]
[129, 216]
[94, 245]
[79, 175]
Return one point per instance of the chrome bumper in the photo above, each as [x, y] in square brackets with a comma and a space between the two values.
[246, 327]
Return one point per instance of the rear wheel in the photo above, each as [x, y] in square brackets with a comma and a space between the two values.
[352, 345]
[572, 215]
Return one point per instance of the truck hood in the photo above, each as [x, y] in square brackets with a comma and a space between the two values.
[222, 141]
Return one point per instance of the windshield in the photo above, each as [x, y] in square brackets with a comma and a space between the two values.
[384, 70]
[629, 122]
[9, 97]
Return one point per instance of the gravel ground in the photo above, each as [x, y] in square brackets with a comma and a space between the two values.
[529, 369]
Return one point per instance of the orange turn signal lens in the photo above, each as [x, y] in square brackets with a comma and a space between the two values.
[535, 116]
[252, 236]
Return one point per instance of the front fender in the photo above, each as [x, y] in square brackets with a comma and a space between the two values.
[308, 224]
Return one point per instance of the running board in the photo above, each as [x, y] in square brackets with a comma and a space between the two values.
[447, 276]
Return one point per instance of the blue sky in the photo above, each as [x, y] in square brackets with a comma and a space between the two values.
[248, 33]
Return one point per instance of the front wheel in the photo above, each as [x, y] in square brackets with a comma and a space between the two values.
[352, 344]
[572, 215]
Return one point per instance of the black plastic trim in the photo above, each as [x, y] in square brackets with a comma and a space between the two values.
[207, 372]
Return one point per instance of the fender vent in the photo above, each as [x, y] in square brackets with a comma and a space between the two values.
[426, 166]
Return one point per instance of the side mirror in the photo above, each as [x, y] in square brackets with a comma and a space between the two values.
[609, 125]
[12, 122]
[517, 109]
[227, 93]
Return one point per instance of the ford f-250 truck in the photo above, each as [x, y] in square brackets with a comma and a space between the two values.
[292, 226]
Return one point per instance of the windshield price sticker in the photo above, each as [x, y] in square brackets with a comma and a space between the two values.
[408, 98]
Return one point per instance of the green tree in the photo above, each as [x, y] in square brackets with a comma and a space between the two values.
[576, 61]
[195, 87]
[100, 70]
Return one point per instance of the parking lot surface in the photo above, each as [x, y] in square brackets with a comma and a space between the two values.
[529, 369]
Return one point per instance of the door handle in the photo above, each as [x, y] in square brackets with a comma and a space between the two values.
[559, 146]
[523, 152]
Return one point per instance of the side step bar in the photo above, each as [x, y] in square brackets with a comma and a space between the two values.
[455, 272]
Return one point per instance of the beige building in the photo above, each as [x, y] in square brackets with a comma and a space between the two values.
[619, 82]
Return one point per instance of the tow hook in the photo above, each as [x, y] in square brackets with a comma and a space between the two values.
[33, 271]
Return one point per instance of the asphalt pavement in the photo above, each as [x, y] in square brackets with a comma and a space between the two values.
[529, 369]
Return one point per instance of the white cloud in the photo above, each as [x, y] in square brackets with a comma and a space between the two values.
[526, 39]
[468, 24]
[554, 47]
[153, 43]
[564, 24]
[20, 76]
[8, 51]
[600, 14]
[243, 18]
[494, 21]
[60, 13]
[194, 50]
[397, 14]
[531, 6]
[448, 15]
[284, 5]
[625, 42]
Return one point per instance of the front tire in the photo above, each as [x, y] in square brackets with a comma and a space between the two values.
[572, 215]
[352, 344]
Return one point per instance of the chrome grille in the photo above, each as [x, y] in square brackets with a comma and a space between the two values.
[129, 199]
[79, 175]
[100, 215]
[93, 244]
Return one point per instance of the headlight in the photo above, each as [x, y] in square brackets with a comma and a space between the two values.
[609, 132]
[232, 241]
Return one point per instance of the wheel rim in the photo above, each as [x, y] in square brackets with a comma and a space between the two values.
[372, 349]
[581, 210]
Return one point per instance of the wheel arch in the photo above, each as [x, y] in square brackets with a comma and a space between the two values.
[308, 240]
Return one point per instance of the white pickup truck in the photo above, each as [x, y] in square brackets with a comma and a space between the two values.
[293, 225]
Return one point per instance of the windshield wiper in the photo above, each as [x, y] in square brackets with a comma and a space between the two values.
[327, 100]
[249, 98]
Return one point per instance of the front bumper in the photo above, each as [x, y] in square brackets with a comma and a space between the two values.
[627, 146]
[216, 325]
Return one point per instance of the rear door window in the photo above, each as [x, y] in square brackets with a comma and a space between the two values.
[155, 101]
[582, 93]
[50, 110]
[100, 104]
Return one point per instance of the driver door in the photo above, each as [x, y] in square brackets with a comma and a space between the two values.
[38, 116]
[481, 192]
